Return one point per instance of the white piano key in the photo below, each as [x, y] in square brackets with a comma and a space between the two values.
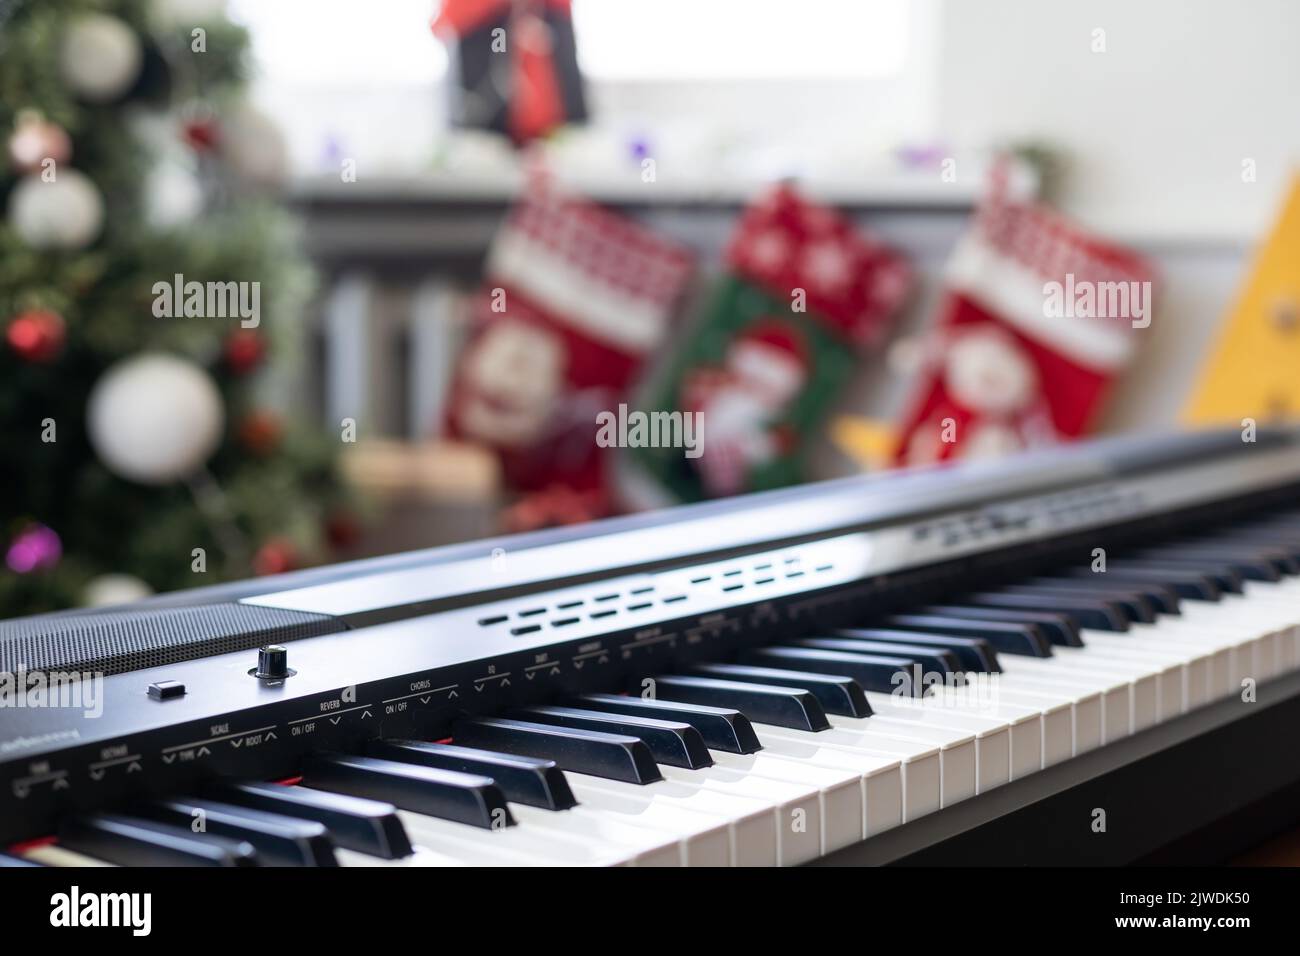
[752, 822]
[1028, 720]
[1170, 674]
[1187, 663]
[837, 793]
[992, 744]
[883, 777]
[957, 755]
[53, 855]
[922, 776]
[523, 845]
[995, 735]
[1120, 699]
[798, 806]
[1057, 713]
[421, 857]
[600, 826]
[1084, 696]
[1262, 631]
[705, 839]
[1209, 659]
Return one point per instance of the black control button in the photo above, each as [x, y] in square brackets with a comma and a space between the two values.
[272, 663]
[166, 689]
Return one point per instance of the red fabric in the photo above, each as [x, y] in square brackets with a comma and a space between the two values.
[536, 105]
[1070, 392]
[1044, 241]
[852, 281]
[532, 379]
[1036, 245]
[459, 17]
[602, 246]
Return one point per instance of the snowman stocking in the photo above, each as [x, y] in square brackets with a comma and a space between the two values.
[1038, 319]
[574, 299]
[803, 290]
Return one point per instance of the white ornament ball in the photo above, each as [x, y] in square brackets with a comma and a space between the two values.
[100, 58]
[155, 418]
[110, 589]
[254, 147]
[65, 213]
[173, 196]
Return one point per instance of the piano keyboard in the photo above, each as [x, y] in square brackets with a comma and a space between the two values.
[794, 749]
[783, 752]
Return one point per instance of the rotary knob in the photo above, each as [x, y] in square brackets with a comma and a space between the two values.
[272, 663]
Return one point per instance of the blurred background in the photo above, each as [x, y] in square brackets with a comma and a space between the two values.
[290, 282]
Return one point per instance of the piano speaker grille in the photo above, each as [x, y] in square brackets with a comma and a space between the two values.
[114, 642]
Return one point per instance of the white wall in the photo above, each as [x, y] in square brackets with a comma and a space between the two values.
[1154, 131]
[1156, 127]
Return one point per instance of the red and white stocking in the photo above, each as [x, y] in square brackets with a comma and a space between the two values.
[1038, 319]
[574, 299]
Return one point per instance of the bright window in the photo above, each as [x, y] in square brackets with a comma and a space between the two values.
[740, 39]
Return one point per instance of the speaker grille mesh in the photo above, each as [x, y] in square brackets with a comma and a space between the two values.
[114, 642]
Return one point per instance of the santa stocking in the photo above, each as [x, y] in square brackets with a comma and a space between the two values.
[1037, 321]
[804, 289]
[574, 299]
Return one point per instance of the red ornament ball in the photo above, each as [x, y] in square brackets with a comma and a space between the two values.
[37, 335]
[260, 432]
[275, 556]
[201, 134]
[342, 529]
[244, 350]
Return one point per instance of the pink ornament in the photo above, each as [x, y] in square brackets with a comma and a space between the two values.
[36, 548]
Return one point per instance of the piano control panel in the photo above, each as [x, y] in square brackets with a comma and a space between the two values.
[421, 647]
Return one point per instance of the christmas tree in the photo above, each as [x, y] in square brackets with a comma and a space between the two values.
[146, 275]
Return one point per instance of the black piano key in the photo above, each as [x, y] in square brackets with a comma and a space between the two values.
[1284, 528]
[355, 823]
[1162, 598]
[1256, 553]
[615, 756]
[1134, 606]
[887, 675]
[532, 781]
[1006, 637]
[836, 693]
[1279, 538]
[933, 659]
[722, 728]
[278, 840]
[761, 703]
[1101, 615]
[7, 861]
[1246, 568]
[1226, 578]
[468, 798]
[1188, 585]
[671, 742]
[129, 841]
[1060, 629]
[976, 654]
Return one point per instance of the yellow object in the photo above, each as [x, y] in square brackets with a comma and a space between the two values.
[1254, 370]
[868, 442]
